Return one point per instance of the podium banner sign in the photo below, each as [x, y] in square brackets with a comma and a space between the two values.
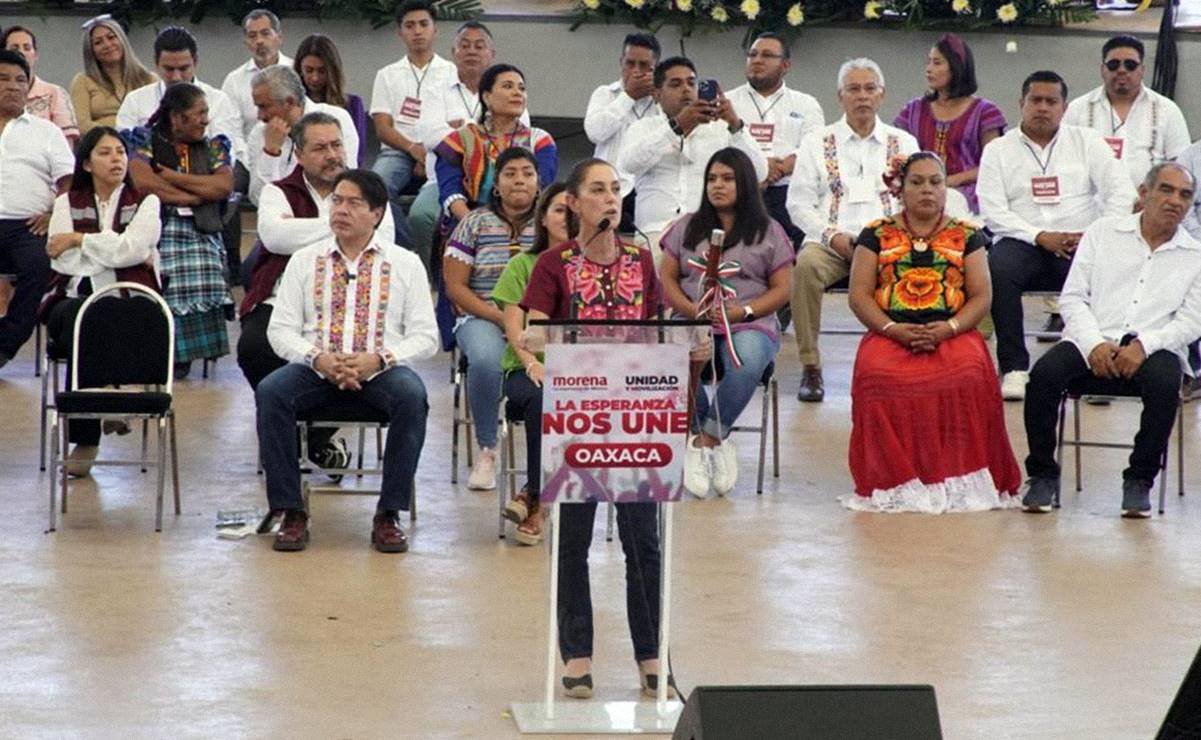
[614, 422]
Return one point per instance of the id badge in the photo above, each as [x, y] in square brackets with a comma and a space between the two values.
[765, 134]
[410, 110]
[1117, 144]
[1045, 190]
[860, 190]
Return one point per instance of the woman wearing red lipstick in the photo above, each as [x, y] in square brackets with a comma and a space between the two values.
[950, 119]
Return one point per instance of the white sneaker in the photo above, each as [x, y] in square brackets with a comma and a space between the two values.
[1013, 385]
[725, 467]
[698, 464]
[483, 473]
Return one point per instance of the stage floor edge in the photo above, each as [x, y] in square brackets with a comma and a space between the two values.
[597, 717]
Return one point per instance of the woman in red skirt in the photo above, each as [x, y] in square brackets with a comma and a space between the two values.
[928, 428]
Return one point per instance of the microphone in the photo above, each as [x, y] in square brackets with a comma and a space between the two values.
[349, 277]
[601, 228]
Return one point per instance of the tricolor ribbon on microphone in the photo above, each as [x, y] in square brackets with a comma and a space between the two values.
[715, 289]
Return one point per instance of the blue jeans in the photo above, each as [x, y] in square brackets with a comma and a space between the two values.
[396, 168]
[735, 389]
[295, 388]
[423, 218]
[483, 343]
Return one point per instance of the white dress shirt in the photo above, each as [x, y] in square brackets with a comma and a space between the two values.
[265, 168]
[237, 88]
[446, 102]
[34, 156]
[140, 104]
[610, 112]
[1154, 130]
[1117, 285]
[398, 318]
[837, 184]
[780, 121]
[1091, 183]
[669, 170]
[400, 90]
[1190, 159]
[100, 254]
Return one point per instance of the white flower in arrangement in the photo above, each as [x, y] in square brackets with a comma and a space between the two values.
[720, 15]
[1007, 13]
[750, 8]
[684, 5]
[796, 15]
[961, 6]
[871, 11]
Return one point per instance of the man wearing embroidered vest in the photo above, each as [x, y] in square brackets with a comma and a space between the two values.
[1131, 304]
[779, 119]
[352, 314]
[36, 164]
[280, 102]
[837, 188]
[1040, 185]
[397, 103]
[667, 153]
[614, 107]
[261, 34]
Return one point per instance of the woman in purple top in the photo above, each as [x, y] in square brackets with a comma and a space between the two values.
[320, 67]
[762, 254]
[950, 120]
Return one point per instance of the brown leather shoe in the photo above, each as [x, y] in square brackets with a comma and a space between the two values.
[293, 532]
[812, 389]
[386, 534]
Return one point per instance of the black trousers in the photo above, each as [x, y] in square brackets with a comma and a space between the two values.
[257, 360]
[60, 326]
[22, 254]
[776, 198]
[638, 527]
[1016, 267]
[523, 402]
[1157, 382]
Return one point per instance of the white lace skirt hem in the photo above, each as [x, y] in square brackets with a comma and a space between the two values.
[971, 492]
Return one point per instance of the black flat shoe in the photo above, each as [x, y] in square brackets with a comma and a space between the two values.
[578, 688]
[650, 686]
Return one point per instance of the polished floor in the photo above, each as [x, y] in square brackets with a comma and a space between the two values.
[1072, 625]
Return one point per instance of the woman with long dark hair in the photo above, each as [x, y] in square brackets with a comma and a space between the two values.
[193, 176]
[950, 119]
[761, 251]
[319, 65]
[476, 254]
[102, 230]
[523, 369]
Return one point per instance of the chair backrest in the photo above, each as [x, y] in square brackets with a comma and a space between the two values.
[124, 335]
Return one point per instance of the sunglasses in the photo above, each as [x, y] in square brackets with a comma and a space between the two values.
[1130, 64]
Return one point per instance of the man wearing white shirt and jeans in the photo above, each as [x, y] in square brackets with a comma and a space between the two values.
[261, 33]
[1131, 305]
[779, 119]
[837, 188]
[398, 103]
[1040, 185]
[614, 107]
[352, 314]
[280, 101]
[667, 153]
[35, 166]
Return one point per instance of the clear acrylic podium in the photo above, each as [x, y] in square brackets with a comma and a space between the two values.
[638, 372]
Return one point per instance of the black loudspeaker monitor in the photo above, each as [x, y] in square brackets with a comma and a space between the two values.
[900, 712]
[1184, 717]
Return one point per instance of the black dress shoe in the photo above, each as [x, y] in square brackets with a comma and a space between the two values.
[578, 688]
[812, 389]
[1054, 325]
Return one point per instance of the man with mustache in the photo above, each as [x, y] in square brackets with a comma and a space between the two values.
[1039, 186]
[1131, 305]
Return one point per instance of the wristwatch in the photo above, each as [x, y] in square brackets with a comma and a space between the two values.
[748, 313]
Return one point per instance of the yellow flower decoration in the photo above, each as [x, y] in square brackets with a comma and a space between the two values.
[961, 6]
[750, 8]
[796, 15]
[719, 14]
[871, 11]
[1007, 13]
[684, 5]
[635, 4]
[592, 4]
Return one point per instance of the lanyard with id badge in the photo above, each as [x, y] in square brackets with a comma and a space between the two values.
[1044, 188]
[410, 107]
[764, 133]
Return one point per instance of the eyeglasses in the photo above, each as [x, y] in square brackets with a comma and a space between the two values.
[768, 56]
[1130, 64]
[92, 22]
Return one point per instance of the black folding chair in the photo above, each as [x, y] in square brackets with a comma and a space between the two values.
[124, 336]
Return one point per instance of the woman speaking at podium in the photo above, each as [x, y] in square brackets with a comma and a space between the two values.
[596, 276]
